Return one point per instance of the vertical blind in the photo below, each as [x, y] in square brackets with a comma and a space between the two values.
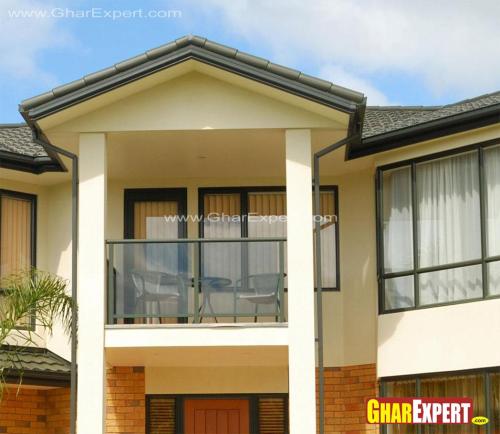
[150, 221]
[156, 220]
[15, 234]
[222, 220]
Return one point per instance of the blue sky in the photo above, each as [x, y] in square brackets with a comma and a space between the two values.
[396, 52]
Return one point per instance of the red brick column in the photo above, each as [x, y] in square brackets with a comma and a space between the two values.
[346, 389]
[125, 400]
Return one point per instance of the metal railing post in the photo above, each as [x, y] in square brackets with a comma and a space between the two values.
[281, 245]
[196, 280]
[111, 285]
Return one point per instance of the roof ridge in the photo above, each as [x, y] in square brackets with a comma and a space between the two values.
[205, 44]
[13, 125]
[404, 107]
[475, 98]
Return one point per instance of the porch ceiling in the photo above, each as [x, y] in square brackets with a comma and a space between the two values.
[156, 156]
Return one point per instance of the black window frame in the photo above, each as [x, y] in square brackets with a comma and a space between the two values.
[244, 191]
[32, 198]
[253, 399]
[485, 372]
[133, 195]
[416, 270]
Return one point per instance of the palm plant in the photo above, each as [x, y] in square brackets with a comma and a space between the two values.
[26, 295]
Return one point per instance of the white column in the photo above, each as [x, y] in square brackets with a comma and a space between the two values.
[301, 351]
[91, 283]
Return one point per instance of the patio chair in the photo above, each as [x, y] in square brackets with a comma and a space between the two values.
[157, 287]
[263, 289]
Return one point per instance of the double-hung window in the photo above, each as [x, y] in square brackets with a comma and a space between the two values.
[439, 229]
[17, 235]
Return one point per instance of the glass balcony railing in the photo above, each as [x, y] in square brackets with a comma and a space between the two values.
[195, 281]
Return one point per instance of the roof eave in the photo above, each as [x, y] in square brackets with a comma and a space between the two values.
[426, 131]
[35, 111]
[25, 163]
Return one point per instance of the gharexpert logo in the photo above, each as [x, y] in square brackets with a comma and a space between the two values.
[422, 411]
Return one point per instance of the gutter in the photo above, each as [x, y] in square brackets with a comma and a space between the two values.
[39, 138]
[353, 138]
[24, 163]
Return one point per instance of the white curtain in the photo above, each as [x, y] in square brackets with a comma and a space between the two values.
[449, 227]
[397, 211]
[492, 181]
[398, 237]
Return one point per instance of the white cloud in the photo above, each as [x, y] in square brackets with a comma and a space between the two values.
[340, 76]
[22, 40]
[451, 45]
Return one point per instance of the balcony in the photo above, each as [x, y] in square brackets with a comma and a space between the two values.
[196, 281]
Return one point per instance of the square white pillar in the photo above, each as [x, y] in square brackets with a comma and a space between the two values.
[91, 283]
[301, 351]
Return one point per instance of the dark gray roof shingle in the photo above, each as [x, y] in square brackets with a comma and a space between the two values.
[380, 120]
[197, 42]
[17, 139]
[33, 360]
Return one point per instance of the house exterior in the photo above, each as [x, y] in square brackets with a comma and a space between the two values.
[197, 224]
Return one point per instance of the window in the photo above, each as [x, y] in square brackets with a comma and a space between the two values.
[438, 224]
[482, 386]
[17, 235]
[261, 212]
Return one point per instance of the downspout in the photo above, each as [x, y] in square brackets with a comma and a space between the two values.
[319, 290]
[74, 258]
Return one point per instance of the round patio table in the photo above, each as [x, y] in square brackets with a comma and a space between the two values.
[210, 285]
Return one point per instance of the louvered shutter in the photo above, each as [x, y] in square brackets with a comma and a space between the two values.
[273, 415]
[161, 417]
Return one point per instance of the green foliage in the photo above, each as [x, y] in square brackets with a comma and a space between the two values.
[31, 294]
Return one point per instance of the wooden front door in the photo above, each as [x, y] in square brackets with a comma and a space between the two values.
[216, 416]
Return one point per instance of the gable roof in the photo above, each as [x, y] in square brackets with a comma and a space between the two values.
[382, 128]
[203, 50]
[19, 151]
[33, 363]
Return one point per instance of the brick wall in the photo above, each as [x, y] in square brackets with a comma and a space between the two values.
[125, 400]
[346, 389]
[34, 411]
[58, 414]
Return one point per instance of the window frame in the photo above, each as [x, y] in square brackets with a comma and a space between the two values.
[32, 198]
[416, 270]
[244, 191]
[485, 372]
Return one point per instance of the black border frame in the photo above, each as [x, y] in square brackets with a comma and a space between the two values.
[253, 399]
[32, 198]
[244, 190]
[416, 270]
[132, 195]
